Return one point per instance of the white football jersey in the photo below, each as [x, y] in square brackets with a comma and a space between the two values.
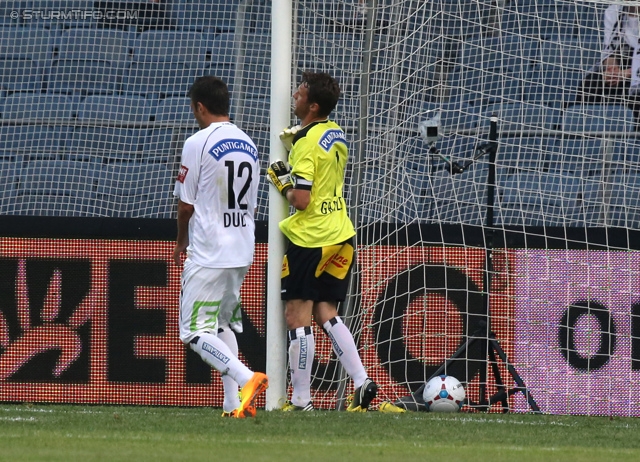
[219, 176]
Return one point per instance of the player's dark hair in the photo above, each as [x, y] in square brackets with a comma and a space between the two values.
[212, 92]
[322, 90]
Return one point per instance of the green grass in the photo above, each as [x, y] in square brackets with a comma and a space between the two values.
[112, 433]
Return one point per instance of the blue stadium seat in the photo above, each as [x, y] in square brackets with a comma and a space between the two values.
[20, 74]
[109, 128]
[590, 21]
[175, 109]
[329, 16]
[37, 106]
[107, 142]
[372, 198]
[114, 46]
[6, 8]
[27, 42]
[598, 119]
[346, 113]
[257, 17]
[24, 55]
[371, 195]
[337, 48]
[192, 48]
[625, 202]
[136, 190]
[522, 154]
[460, 198]
[414, 151]
[626, 154]
[491, 70]
[9, 171]
[158, 182]
[59, 14]
[55, 187]
[624, 181]
[159, 80]
[617, 202]
[455, 117]
[227, 72]
[484, 87]
[254, 113]
[502, 51]
[457, 19]
[538, 19]
[165, 143]
[261, 138]
[591, 200]
[523, 117]
[578, 156]
[262, 209]
[223, 49]
[84, 77]
[33, 141]
[557, 77]
[539, 199]
[215, 15]
[118, 108]
[258, 48]
[118, 190]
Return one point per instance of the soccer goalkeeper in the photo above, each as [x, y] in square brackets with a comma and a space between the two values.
[320, 251]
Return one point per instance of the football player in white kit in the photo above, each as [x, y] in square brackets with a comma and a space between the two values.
[217, 189]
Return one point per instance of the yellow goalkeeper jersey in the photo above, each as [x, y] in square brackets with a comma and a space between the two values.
[318, 159]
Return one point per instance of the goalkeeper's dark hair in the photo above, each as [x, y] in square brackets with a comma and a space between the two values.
[213, 93]
[322, 90]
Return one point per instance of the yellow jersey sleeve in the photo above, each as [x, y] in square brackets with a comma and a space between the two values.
[319, 157]
[302, 160]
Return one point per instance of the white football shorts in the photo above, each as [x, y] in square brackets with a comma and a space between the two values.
[209, 300]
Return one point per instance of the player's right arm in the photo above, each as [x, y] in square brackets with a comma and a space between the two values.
[185, 212]
[186, 191]
[302, 174]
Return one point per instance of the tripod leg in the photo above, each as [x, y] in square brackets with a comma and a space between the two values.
[512, 370]
[455, 355]
[501, 396]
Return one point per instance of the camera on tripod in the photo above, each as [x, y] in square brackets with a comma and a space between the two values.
[431, 129]
[431, 132]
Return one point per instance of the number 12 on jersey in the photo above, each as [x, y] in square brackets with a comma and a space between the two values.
[234, 202]
[239, 201]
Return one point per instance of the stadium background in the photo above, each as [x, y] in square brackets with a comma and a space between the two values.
[93, 112]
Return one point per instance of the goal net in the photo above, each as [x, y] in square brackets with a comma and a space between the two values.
[522, 257]
[522, 240]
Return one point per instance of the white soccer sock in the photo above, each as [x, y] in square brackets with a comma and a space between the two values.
[301, 352]
[345, 348]
[231, 400]
[217, 354]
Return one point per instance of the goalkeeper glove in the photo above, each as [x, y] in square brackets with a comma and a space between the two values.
[286, 136]
[280, 176]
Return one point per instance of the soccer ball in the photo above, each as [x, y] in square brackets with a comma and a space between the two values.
[443, 393]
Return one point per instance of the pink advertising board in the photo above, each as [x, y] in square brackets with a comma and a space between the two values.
[577, 321]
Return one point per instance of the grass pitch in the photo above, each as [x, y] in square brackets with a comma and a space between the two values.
[113, 433]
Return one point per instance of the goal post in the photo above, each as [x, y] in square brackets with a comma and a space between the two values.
[280, 111]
